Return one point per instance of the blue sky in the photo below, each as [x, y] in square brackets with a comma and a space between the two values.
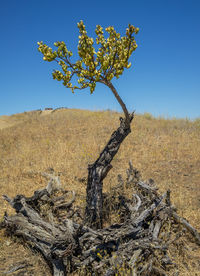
[165, 75]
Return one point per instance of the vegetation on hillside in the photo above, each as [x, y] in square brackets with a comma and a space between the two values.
[165, 150]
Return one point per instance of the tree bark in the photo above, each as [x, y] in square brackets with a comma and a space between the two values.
[148, 229]
[119, 99]
[98, 171]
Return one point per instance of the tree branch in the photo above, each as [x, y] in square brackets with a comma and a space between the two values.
[123, 106]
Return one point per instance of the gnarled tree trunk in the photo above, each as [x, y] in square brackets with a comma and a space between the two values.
[98, 171]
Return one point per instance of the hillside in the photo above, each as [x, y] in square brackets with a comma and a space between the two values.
[168, 151]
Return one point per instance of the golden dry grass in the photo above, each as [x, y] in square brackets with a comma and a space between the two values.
[167, 150]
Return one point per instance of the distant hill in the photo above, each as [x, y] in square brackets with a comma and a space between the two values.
[9, 121]
[67, 140]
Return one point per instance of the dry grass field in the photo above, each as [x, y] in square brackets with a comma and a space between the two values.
[166, 150]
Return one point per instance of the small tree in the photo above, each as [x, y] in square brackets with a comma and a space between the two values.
[101, 65]
[137, 245]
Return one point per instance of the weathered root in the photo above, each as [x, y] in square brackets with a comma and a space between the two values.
[138, 244]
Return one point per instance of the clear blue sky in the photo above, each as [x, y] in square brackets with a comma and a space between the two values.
[165, 76]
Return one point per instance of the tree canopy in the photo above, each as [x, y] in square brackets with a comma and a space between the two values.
[99, 62]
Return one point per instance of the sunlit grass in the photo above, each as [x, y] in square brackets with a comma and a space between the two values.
[167, 150]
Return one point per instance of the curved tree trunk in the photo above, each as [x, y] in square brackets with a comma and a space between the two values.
[98, 171]
[118, 98]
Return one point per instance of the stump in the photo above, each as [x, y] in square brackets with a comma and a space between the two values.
[137, 245]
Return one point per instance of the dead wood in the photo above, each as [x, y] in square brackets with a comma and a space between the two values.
[98, 171]
[138, 243]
